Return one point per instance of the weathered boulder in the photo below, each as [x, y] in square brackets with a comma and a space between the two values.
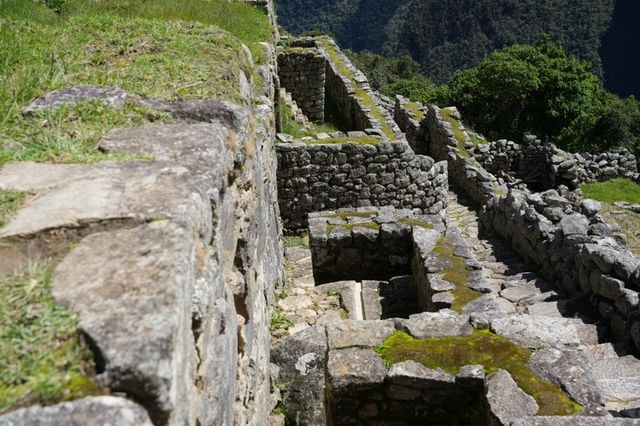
[302, 358]
[506, 401]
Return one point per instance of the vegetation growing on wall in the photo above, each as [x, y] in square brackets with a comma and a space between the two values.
[107, 43]
[481, 348]
[41, 358]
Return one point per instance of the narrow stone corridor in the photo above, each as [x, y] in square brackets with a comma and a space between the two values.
[532, 304]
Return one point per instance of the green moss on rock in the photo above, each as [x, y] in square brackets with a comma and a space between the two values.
[458, 133]
[457, 274]
[481, 348]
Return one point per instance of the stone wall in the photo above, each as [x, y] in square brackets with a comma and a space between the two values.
[170, 264]
[411, 122]
[350, 91]
[465, 172]
[543, 166]
[364, 244]
[302, 73]
[575, 249]
[317, 177]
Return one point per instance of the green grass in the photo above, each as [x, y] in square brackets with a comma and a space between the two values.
[145, 47]
[413, 108]
[477, 140]
[10, 201]
[71, 133]
[360, 93]
[296, 240]
[457, 274]
[481, 348]
[291, 127]
[458, 134]
[41, 358]
[613, 190]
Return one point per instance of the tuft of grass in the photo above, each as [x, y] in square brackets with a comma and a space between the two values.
[42, 360]
[247, 23]
[613, 190]
[360, 93]
[477, 140]
[71, 133]
[296, 240]
[279, 322]
[458, 134]
[10, 202]
[481, 348]
[415, 110]
[457, 274]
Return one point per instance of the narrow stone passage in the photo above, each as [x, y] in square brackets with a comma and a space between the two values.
[532, 302]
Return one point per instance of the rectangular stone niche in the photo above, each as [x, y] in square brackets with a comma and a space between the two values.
[364, 244]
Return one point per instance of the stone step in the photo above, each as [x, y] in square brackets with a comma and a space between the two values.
[616, 368]
[601, 351]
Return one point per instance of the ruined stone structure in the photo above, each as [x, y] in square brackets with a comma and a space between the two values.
[302, 73]
[194, 319]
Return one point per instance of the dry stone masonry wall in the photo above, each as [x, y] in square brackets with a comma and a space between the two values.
[564, 237]
[317, 177]
[543, 165]
[173, 265]
[302, 72]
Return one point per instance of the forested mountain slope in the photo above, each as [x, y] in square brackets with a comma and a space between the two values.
[447, 36]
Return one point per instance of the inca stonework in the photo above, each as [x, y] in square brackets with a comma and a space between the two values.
[424, 279]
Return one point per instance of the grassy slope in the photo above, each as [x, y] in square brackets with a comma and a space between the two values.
[144, 47]
[614, 190]
[109, 44]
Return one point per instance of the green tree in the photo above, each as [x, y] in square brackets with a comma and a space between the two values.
[522, 89]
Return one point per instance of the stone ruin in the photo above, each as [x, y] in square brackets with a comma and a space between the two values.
[540, 272]
[431, 262]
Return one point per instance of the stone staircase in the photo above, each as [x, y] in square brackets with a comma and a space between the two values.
[523, 294]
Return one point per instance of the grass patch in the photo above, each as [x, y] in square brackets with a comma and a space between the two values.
[292, 127]
[10, 201]
[71, 133]
[628, 221]
[415, 110]
[41, 358]
[247, 23]
[477, 140]
[481, 348]
[146, 48]
[360, 141]
[296, 241]
[458, 134]
[613, 190]
[279, 322]
[360, 93]
[457, 274]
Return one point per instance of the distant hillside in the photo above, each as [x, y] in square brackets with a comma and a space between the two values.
[357, 24]
[447, 36]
